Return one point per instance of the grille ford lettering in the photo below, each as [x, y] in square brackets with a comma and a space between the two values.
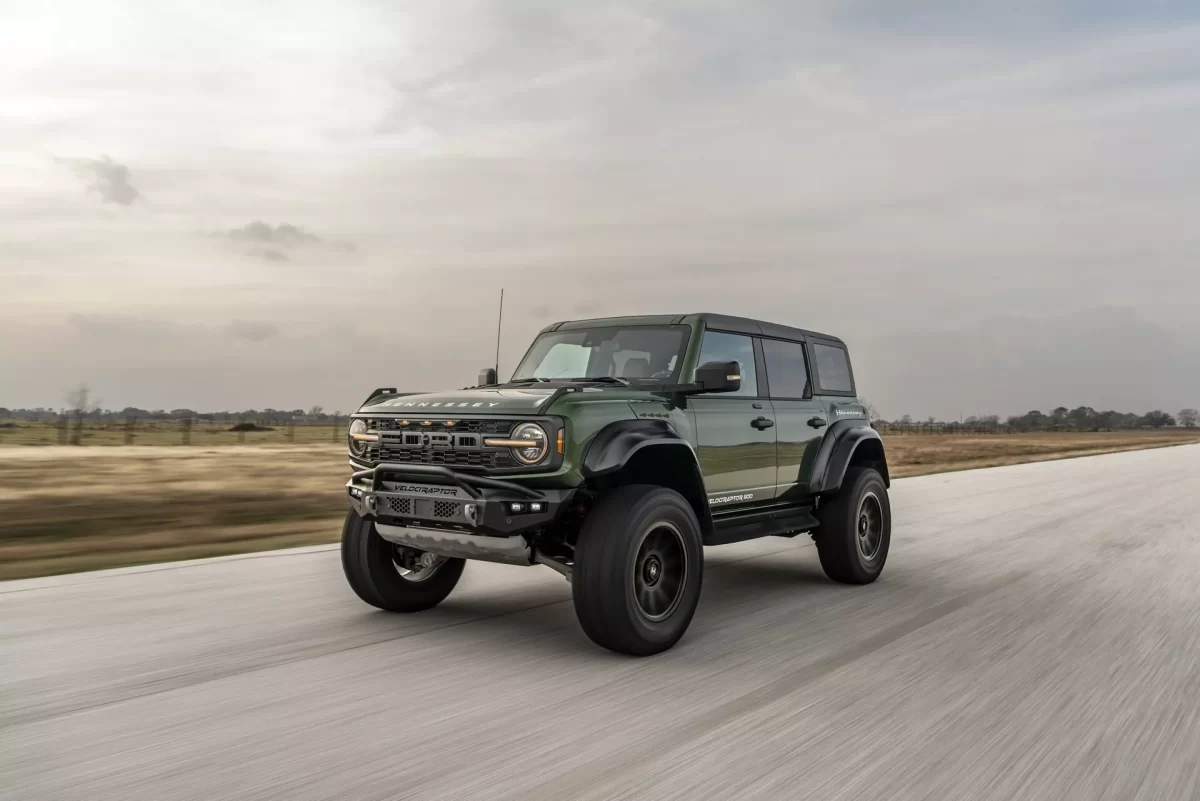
[417, 489]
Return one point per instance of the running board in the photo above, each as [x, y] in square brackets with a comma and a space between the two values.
[776, 520]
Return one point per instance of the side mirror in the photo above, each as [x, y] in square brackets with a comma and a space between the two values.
[487, 377]
[719, 376]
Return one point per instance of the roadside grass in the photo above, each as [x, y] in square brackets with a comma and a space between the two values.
[922, 454]
[67, 509]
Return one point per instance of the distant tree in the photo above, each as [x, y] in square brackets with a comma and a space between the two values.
[80, 404]
[906, 420]
[316, 411]
[5, 412]
[1187, 417]
[1082, 418]
[1157, 419]
[869, 408]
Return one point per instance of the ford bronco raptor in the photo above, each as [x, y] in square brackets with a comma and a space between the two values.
[619, 448]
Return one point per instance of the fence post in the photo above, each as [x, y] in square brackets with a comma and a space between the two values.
[130, 422]
[62, 429]
[186, 433]
[241, 431]
[291, 431]
[334, 428]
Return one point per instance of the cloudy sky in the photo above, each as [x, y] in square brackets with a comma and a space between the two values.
[996, 203]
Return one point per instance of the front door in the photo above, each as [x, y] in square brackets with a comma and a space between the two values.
[800, 418]
[735, 431]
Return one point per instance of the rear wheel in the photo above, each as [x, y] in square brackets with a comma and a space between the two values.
[390, 576]
[856, 528]
[639, 562]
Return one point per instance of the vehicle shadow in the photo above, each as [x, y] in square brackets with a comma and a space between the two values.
[540, 620]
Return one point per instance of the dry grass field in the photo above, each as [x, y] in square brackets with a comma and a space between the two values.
[67, 509]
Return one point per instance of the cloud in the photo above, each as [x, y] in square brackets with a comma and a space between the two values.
[271, 254]
[252, 331]
[284, 234]
[273, 242]
[107, 178]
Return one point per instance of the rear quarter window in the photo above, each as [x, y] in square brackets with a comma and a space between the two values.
[833, 368]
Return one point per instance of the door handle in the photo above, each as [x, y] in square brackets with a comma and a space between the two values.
[816, 422]
[762, 422]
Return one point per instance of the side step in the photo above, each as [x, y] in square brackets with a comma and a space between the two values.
[783, 519]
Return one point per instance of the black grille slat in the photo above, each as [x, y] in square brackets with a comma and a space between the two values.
[460, 426]
[400, 506]
[445, 509]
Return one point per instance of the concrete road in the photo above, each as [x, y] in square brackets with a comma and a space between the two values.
[1036, 635]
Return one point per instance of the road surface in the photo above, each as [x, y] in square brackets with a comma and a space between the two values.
[1036, 635]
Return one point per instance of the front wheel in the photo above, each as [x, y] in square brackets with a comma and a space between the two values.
[391, 577]
[639, 561]
[856, 528]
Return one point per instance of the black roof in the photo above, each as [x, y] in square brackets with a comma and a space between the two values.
[723, 322]
[745, 325]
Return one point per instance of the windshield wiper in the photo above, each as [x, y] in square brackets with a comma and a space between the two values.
[602, 379]
[528, 380]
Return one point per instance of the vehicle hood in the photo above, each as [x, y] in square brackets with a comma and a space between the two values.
[508, 400]
[525, 400]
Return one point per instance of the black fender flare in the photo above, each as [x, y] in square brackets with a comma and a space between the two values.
[836, 452]
[616, 443]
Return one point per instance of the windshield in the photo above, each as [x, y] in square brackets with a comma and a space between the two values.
[648, 354]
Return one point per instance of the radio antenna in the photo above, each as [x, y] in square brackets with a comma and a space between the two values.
[499, 322]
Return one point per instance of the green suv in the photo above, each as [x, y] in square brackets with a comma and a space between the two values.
[619, 448]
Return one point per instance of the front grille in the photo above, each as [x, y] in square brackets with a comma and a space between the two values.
[400, 506]
[458, 445]
[482, 460]
[445, 509]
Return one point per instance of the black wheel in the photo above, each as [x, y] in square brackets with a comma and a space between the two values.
[856, 528]
[639, 561]
[391, 577]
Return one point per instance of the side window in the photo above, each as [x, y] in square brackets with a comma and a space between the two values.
[787, 369]
[833, 368]
[719, 347]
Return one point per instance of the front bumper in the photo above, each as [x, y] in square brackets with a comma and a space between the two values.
[439, 510]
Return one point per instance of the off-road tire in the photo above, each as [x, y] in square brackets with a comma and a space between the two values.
[614, 553]
[839, 542]
[367, 563]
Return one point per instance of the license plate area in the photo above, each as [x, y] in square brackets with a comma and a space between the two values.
[444, 504]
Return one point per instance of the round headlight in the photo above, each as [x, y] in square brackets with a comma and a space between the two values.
[533, 433]
[356, 437]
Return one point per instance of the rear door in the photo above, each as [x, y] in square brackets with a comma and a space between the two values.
[735, 431]
[800, 417]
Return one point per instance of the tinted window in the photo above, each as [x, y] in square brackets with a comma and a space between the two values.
[720, 347]
[833, 368]
[787, 372]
